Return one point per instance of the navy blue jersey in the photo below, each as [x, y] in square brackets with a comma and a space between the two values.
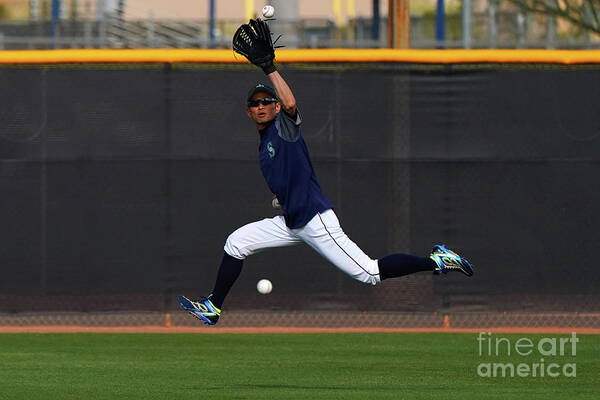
[286, 166]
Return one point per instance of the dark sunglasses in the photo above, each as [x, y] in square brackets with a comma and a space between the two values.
[264, 101]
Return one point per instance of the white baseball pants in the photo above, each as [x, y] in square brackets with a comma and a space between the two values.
[323, 233]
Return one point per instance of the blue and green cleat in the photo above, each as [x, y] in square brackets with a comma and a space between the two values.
[447, 260]
[202, 309]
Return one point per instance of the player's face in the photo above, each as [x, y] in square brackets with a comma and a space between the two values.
[262, 114]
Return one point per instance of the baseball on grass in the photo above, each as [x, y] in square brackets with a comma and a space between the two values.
[264, 286]
[268, 11]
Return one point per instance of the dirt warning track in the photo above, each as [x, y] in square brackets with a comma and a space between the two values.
[282, 330]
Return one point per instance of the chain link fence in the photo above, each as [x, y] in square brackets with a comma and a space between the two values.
[507, 29]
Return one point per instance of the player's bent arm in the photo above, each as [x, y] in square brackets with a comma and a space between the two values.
[286, 97]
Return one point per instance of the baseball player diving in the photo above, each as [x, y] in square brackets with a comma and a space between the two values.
[308, 216]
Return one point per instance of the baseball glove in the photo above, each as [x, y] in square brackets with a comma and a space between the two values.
[253, 41]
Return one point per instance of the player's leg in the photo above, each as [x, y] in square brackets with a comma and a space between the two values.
[325, 235]
[258, 236]
[245, 241]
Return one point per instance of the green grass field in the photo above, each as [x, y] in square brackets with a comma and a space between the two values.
[280, 366]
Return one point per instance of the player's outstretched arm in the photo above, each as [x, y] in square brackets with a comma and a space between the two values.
[253, 41]
[286, 97]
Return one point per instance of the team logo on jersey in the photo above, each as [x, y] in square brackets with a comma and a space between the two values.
[270, 150]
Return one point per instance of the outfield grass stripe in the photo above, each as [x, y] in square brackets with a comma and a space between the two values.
[275, 366]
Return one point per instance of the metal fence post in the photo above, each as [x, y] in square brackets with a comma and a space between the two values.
[492, 28]
[34, 10]
[440, 24]
[467, 11]
[398, 24]
[521, 28]
[54, 21]
[376, 21]
[550, 32]
[211, 28]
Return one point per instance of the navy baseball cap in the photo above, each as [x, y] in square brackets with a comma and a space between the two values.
[261, 88]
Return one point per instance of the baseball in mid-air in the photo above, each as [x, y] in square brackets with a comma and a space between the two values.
[268, 11]
[264, 286]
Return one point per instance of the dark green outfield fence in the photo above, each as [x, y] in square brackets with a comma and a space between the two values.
[120, 183]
